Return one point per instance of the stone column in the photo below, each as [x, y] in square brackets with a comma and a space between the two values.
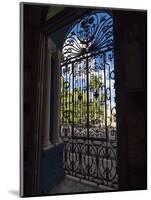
[46, 143]
[56, 139]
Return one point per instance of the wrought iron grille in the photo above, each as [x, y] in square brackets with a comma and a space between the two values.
[88, 108]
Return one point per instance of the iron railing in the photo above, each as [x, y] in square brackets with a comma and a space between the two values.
[88, 108]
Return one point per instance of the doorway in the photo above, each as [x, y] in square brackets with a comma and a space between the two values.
[88, 101]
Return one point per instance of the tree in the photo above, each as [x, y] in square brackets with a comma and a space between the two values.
[74, 102]
[95, 82]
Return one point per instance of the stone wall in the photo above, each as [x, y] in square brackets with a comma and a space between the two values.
[51, 170]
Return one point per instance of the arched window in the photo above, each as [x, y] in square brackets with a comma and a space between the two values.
[88, 108]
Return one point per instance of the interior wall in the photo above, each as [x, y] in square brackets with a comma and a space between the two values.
[130, 54]
[31, 68]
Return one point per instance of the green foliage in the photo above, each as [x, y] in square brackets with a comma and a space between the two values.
[95, 81]
[76, 100]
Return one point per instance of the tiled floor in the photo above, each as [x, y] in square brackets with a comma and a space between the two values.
[71, 186]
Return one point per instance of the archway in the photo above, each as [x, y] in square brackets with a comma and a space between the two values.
[88, 108]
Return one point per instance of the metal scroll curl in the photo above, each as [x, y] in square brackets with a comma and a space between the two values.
[88, 106]
[91, 33]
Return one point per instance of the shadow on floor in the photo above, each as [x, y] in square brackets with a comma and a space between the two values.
[70, 186]
[14, 192]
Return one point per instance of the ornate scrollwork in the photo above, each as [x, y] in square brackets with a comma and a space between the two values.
[88, 108]
[90, 34]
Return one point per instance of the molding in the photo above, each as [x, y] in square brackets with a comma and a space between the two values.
[51, 46]
[50, 146]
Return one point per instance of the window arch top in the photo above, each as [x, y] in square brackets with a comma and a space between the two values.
[91, 33]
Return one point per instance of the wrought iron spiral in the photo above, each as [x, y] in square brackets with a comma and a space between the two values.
[88, 107]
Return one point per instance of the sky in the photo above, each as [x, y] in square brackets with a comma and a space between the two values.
[95, 25]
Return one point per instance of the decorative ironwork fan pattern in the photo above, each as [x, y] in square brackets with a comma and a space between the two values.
[88, 108]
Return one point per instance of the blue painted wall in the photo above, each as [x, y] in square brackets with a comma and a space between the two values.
[51, 169]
